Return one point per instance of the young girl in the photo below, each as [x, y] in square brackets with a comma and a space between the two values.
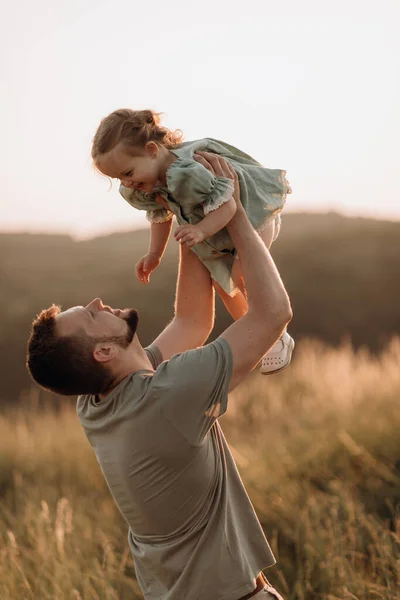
[159, 174]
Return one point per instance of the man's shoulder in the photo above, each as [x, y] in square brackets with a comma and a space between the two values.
[195, 364]
[96, 413]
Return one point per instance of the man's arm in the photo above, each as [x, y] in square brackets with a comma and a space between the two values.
[269, 307]
[194, 308]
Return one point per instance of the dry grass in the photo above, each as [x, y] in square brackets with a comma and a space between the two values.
[318, 448]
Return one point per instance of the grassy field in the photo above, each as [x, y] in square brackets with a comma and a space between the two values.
[317, 446]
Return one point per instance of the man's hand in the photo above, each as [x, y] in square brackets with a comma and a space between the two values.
[221, 168]
[189, 235]
[146, 266]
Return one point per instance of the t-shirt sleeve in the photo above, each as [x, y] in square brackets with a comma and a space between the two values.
[192, 388]
[154, 355]
[192, 184]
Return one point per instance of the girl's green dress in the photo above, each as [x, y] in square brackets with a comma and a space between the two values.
[192, 192]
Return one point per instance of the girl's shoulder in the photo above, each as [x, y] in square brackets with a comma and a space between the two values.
[185, 165]
[188, 180]
[187, 149]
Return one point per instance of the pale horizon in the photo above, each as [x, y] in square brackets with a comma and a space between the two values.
[142, 226]
[311, 89]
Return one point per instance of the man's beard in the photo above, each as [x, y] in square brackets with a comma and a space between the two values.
[132, 319]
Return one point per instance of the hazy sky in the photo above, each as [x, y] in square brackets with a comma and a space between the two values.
[310, 86]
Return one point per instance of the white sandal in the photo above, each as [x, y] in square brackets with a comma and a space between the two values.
[279, 356]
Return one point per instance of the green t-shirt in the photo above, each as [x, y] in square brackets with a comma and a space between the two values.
[193, 531]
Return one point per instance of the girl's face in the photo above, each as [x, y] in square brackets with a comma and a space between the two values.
[140, 171]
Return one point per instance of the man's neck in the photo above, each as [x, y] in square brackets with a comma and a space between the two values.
[133, 363]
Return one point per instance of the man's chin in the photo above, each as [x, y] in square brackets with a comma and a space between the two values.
[131, 316]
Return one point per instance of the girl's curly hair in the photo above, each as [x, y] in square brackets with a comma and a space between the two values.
[134, 128]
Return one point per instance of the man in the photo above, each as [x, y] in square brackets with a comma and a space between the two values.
[153, 425]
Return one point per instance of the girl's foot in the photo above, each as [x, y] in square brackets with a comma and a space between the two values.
[279, 356]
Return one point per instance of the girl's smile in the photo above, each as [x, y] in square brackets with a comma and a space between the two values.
[143, 169]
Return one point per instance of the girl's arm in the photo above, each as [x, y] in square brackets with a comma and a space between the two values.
[213, 222]
[218, 218]
[159, 235]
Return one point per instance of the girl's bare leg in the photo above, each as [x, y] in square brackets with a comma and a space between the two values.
[194, 308]
[235, 305]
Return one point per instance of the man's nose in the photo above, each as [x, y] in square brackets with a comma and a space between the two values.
[96, 304]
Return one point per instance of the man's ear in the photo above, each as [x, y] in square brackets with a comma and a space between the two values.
[104, 352]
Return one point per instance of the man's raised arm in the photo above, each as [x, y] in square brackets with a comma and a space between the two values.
[269, 307]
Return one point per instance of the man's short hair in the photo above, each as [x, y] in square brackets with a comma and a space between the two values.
[64, 364]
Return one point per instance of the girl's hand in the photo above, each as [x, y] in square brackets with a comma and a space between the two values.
[146, 266]
[189, 235]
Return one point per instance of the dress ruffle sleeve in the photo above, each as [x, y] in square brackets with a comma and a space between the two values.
[192, 184]
[144, 201]
[159, 215]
